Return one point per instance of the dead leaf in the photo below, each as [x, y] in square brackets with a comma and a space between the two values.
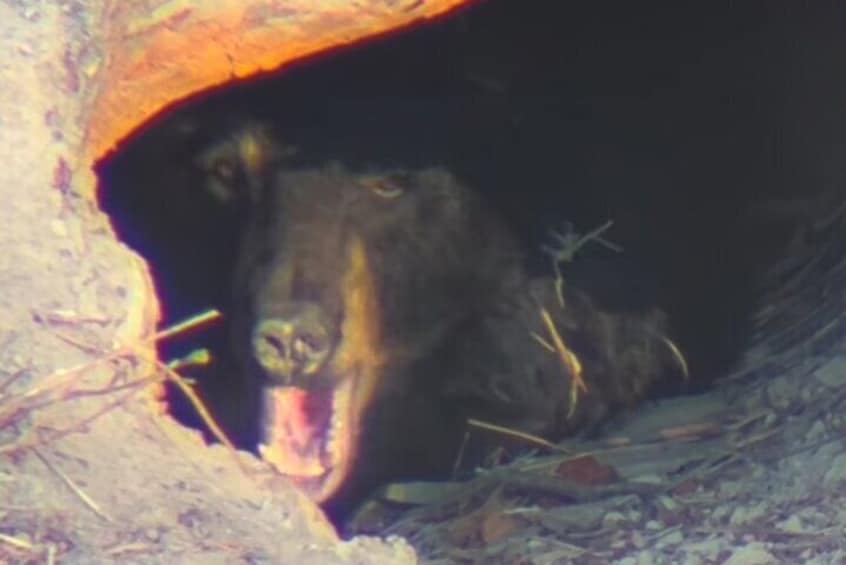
[587, 470]
[498, 526]
[471, 529]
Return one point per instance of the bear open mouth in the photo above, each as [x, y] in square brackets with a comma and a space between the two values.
[311, 435]
[308, 435]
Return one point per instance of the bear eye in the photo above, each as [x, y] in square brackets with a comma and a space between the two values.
[384, 186]
[222, 178]
[224, 169]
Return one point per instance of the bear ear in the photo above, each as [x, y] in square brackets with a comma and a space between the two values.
[236, 167]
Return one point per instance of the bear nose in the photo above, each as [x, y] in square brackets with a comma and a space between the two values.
[292, 348]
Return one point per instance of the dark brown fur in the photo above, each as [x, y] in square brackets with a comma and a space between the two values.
[508, 378]
[443, 331]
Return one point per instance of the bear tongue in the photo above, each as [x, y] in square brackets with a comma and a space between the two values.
[306, 436]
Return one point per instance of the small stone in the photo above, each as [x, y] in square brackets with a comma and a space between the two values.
[649, 479]
[815, 518]
[792, 525]
[580, 517]
[816, 432]
[744, 515]
[708, 549]
[654, 525]
[730, 489]
[634, 515]
[780, 392]
[645, 558]
[18, 361]
[673, 538]
[752, 554]
[832, 374]
[829, 450]
[613, 518]
[59, 228]
[620, 543]
[668, 503]
[720, 513]
[836, 474]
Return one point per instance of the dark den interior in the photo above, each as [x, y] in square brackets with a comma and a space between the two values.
[708, 133]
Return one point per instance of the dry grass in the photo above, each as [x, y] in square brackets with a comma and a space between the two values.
[565, 246]
[64, 385]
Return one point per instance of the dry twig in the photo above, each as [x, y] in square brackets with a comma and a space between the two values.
[16, 542]
[83, 496]
[565, 246]
[568, 359]
[527, 437]
[678, 355]
[57, 387]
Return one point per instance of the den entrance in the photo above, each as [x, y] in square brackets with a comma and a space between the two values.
[678, 133]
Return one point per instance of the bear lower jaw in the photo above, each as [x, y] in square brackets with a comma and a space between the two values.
[308, 435]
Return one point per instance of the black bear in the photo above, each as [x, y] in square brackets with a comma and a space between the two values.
[374, 313]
